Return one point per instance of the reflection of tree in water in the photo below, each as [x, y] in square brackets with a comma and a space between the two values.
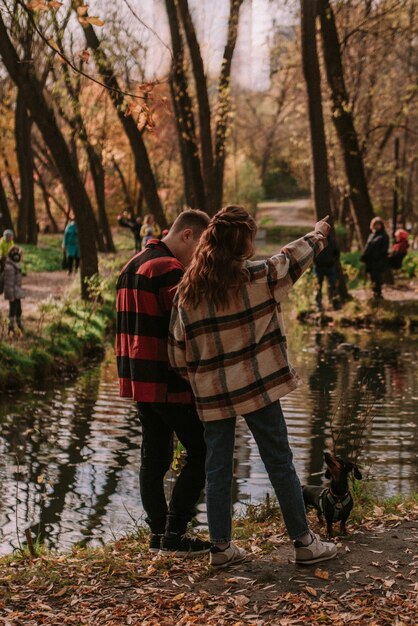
[22, 444]
[242, 453]
[363, 387]
[322, 382]
[345, 384]
[113, 473]
[85, 397]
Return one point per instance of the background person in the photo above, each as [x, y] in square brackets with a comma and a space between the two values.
[227, 338]
[71, 245]
[126, 221]
[145, 290]
[6, 242]
[326, 268]
[399, 249]
[149, 222]
[375, 254]
[13, 291]
[146, 238]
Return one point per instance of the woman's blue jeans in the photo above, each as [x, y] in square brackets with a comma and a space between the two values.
[270, 433]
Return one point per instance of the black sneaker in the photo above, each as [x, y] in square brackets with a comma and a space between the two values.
[182, 544]
[155, 542]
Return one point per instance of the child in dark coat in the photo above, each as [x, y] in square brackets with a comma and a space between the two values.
[13, 291]
[375, 254]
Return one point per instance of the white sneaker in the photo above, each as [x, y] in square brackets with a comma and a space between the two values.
[222, 558]
[315, 552]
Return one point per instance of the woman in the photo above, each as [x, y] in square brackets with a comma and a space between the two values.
[71, 245]
[227, 338]
[150, 226]
[375, 254]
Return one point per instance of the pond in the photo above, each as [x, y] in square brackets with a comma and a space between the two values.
[69, 455]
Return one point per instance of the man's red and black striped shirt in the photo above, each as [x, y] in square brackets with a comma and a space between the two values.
[145, 292]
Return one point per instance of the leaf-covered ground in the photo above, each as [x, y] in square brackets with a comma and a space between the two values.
[373, 581]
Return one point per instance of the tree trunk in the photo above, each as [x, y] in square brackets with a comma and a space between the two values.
[203, 105]
[76, 123]
[29, 86]
[142, 163]
[128, 200]
[139, 202]
[224, 103]
[5, 216]
[311, 72]
[11, 181]
[343, 121]
[98, 174]
[183, 107]
[47, 200]
[27, 231]
[319, 179]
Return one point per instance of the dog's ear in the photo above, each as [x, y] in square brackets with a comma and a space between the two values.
[357, 473]
[327, 474]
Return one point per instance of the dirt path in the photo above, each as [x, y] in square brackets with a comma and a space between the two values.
[400, 293]
[372, 582]
[383, 558]
[40, 286]
[290, 213]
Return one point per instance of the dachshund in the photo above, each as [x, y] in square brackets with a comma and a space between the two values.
[334, 502]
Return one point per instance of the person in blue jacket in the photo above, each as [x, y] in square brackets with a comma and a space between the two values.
[71, 245]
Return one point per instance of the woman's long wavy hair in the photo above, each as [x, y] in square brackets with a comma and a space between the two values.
[217, 272]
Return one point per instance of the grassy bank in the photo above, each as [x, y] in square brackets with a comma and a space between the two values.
[401, 311]
[62, 335]
[122, 583]
[62, 332]
[45, 257]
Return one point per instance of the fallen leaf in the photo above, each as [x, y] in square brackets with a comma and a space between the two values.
[320, 573]
[241, 600]
[178, 597]
[311, 591]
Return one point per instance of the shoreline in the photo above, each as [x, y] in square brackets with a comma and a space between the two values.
[121, 583]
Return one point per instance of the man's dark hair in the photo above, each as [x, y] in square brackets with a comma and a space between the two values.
[191, 218]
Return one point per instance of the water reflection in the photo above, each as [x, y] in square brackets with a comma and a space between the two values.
[70, 455]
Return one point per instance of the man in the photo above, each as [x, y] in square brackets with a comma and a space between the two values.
[145, 292]
[6, 243]
[326, 267]
[126, 221]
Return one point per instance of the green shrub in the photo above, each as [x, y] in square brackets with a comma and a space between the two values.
[280, 183]
[409, 267]
[16, 367]
[42, 362]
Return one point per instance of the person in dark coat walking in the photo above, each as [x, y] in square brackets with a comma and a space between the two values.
[13, 291]
[326, 267]
[126, 221]
[375, 254]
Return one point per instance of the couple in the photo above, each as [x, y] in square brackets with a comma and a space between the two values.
[227, 351]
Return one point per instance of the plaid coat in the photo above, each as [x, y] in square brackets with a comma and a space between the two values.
[236, 358]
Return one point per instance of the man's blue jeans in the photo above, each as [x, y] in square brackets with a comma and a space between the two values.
[270, 433]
